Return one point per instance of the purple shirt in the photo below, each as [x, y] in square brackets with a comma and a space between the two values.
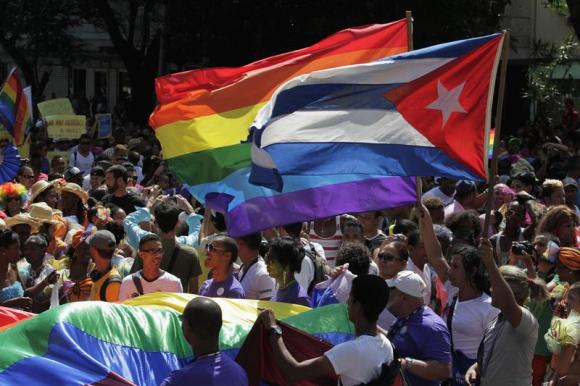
[213, 370]
[422, 335]
[293, 294]
[229, 288]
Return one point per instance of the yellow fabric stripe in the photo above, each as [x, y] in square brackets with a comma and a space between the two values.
[205, 133]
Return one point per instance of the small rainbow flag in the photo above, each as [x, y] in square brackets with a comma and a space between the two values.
[490, 145]
[15, 112]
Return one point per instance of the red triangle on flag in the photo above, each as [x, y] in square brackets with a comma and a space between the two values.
[448, 106]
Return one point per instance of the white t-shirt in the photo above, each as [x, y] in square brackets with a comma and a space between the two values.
[360, 360]
[306, 274]
[256, 282]
[454, 207]
[436, 192]
[166, 282]
[470, 319]
[425, 275]
[85, 164]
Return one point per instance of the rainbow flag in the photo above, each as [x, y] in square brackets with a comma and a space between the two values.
[15, 111]
[137, 342]
[490, 144]
[203, 116]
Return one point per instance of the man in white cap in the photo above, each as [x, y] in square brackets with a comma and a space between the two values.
[106, 278]
[419, 335]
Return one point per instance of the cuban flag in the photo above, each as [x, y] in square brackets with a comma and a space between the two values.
[423, 113]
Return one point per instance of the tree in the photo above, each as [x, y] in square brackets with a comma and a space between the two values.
[135, 28]
[34, 30]
[570, 8]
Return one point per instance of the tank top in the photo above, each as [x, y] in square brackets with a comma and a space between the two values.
[329, 244]
[504, 256]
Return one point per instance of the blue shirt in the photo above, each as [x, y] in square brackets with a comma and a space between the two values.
[293, 294]
[212, 370]
[229, 288]
[14, 290]
[423, 335]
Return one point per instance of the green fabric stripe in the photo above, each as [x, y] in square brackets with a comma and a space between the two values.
[210, 165]
[332, 318]
[4, 98]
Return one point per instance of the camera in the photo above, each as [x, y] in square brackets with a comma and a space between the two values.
[522, 246]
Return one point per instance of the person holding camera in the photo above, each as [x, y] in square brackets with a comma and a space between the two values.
[513, 231]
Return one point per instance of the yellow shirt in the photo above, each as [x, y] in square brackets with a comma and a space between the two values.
[112, 282]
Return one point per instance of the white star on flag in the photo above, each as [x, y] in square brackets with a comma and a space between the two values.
[447, 101]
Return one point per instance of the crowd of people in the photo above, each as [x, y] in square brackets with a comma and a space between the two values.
[447, 295]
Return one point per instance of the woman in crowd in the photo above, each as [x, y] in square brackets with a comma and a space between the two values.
[12, 199]
[284, 258]
[560, 221]
[468, 311]
[11, 291]
[72, 203]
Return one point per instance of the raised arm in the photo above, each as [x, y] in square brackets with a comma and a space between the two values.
[432, 246]
[502, 295]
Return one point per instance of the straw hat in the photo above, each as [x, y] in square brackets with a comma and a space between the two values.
[22, 218]
[39, 187]
[77, 190]
[41, 212]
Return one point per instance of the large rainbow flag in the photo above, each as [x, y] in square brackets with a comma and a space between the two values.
[15, 112]
[137, 342]
[202, 122]
[204, 115]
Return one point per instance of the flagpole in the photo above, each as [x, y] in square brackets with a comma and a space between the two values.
[498, 116]
[409, 17]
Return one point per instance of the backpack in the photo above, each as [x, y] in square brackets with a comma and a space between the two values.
[321, 268]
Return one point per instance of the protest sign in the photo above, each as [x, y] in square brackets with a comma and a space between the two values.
[66, 126]
[59, 106]
[104, 125]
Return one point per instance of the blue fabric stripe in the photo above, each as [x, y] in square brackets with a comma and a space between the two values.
[377, 159]
[445, 50]
[317, 97]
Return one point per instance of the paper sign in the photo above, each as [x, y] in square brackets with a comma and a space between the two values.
[66, 126]
[104, 125]
[59, 106]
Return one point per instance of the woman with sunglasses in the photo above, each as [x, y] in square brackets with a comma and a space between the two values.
[468, 311]
[283, 260]
[12, 199]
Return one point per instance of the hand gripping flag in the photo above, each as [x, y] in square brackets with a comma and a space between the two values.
[15, 111]
[422, 113]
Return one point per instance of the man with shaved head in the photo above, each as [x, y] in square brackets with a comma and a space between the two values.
[201, 325]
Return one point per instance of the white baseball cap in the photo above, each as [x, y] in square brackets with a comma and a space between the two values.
[409, 283]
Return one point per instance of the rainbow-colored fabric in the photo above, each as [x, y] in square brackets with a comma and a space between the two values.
[139, 341]
[15, 113]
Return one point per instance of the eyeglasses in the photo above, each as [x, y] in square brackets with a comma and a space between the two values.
[156, 251]
[9, 199]
[211, 248]
[27, 176]
[387, 257]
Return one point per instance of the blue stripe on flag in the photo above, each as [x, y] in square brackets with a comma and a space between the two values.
[377, 159]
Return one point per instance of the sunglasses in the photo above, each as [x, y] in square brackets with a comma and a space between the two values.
[27, 176]
[156, 251]
[85, 143]
[387, 257]
[212, 248]
[9, 199]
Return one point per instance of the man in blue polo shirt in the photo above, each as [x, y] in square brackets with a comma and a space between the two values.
[420, 337]
[202, 322]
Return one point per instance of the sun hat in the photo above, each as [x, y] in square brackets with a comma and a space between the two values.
[22, 219]
[41, 212]
[39, 187]
[73, 188]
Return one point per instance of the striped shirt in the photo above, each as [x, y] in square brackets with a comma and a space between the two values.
[329, 244]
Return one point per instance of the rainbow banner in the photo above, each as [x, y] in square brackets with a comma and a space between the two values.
[203, 116]
[15, 112]
[490, 144]
[137, 342]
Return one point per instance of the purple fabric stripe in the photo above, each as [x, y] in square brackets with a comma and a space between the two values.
[260, 213]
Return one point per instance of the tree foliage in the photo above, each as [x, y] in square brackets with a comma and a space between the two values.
[34, 30]
[569, 8]
[546, 91]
